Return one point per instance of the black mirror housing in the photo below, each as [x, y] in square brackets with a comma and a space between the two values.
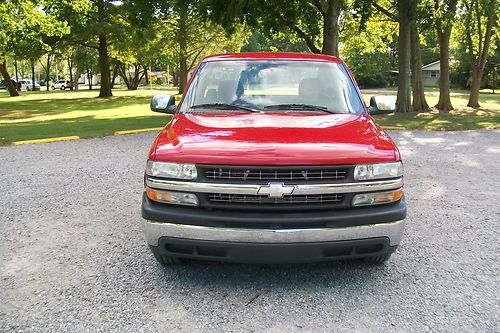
[163, 103]
[382, 105]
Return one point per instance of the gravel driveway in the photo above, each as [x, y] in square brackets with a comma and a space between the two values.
[73, 257]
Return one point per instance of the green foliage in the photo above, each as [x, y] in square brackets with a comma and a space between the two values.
[26, 30]
[301, 18]
[369, 48]
[259, 42]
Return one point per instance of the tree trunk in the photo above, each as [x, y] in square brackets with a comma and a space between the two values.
[17, 76]
[444, 102]
[484, 45]
[113, 77]
[331, 29]
[444, 24]
[70, 66]
[32, 75]
[182, 35]
[475, 85]
[77, 78]
[105, 90]
[47, 75]
[89, 78]
[6, 77]
[419, 103]
[403, 101]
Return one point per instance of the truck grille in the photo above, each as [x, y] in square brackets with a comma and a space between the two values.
[263, 199]
[275, 174]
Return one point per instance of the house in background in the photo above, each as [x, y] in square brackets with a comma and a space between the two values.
[430, 74]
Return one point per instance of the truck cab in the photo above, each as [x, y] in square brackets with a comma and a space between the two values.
[272, 158]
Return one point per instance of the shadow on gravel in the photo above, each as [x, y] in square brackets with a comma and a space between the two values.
[250, 276]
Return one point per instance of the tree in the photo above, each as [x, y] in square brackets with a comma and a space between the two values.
[406, 18]
[135, 55]
[187, 34]
[419, 103]
[406, 15]
[307, 19]
[96, 24]
[369, 47]
[258, 42]
[477, 11]
[25, 31]
[444, 15]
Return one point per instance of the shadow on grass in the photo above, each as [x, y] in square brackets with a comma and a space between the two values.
[83, 127]
[441, 122]
[15, 109]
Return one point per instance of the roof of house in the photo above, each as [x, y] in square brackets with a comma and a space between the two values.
[432, 66]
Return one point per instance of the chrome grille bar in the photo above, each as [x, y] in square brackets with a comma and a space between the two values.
[249, 174]
[300, 189]
[262, 199]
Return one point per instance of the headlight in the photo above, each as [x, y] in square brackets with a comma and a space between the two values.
[378, 171]
[177, 198]
[377, 198]
[171, 170]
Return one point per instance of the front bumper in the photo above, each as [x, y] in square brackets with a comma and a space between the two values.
[272, 238]
[154, 231]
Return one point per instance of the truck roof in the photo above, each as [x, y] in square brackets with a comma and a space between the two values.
[271, 55]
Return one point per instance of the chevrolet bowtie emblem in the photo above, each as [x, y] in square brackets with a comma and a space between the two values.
[276, 190]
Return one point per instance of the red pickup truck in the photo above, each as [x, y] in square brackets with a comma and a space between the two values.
[273, 158]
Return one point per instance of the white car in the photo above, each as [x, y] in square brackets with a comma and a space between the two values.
[62, 84]
[27, 84]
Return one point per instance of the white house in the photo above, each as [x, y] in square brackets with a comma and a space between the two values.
[430, 74]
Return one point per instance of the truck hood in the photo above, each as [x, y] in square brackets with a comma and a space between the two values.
[273, 139]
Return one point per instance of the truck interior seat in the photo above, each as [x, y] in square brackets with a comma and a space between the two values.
[227, 91]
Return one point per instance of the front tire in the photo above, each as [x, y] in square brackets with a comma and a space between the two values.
[63, 88]
[53, 88]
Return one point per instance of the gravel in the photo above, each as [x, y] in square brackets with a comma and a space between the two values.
[73, 257]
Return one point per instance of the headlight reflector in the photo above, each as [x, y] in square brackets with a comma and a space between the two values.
[171, 170]
[177, 198]
[378, 171]
[377, 198]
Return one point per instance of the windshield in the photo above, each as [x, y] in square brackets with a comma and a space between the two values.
[273, 85]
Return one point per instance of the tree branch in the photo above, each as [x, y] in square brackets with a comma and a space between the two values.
[309, 41]
[385, 12]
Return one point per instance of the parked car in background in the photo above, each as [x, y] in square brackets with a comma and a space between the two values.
[27, 84]
[4, 86]
[62, 84]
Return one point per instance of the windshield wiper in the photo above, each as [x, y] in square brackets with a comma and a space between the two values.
[299, 107]
[224, 106]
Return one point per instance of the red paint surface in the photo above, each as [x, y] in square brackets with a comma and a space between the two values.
[273, 138]
[271, 56]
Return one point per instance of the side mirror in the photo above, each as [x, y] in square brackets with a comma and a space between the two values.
[163, 103]
[382, 105]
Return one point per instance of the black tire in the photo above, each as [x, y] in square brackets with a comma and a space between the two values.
[63, 88]
[53, 88]
[378, 260]
[167, 260]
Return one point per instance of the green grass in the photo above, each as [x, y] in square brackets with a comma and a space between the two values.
[40, 115]
[462, 118]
